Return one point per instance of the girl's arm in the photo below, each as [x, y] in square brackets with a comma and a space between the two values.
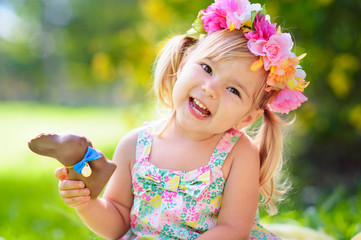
[108, 216]
[240, 197]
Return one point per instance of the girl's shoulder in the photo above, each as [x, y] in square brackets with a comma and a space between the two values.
[246, 150]
[244, 155]
[127, 145]
[245, 142]
[130, 139]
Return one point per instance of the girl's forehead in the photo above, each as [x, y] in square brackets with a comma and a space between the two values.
[218, 54]
[241, 62]
[239, 67]
[222, 46]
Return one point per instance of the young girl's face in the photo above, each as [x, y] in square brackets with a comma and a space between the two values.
[212, 97]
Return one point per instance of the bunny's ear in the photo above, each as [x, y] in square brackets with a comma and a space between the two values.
[67, 148]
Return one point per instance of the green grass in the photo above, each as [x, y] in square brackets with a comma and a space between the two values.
[31, 208]
[334, 211]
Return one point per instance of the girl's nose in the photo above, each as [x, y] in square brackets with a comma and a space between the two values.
[210, 89]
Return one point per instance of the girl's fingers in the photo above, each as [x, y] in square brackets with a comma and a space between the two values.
[61, 173]
[76, 201]
[71, 185]
[75, 193]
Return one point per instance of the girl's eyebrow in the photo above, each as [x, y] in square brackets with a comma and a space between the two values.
[210, 60]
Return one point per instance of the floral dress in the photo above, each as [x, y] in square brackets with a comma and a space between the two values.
[171, 204]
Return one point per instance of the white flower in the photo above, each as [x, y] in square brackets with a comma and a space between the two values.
[249, 9]
[268, 18]
[300, 73]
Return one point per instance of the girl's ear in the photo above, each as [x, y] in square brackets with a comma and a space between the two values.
[251, 118]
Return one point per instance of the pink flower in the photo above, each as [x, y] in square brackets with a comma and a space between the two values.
[256, 46]
[228, 14]
[133, 221]
[168, 196]
[192, 215]
[263, 29]
[278, 47]
[287, 100]
[275, 50]
[146, 197]
[236, 12]
[214, 18]
[223, 147]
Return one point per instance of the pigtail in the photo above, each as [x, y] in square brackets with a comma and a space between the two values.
[270, 143]
[167, 64]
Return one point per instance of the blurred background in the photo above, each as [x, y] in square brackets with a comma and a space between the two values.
[86, 67]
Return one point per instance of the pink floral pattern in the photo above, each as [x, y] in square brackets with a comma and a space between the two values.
[172, 204]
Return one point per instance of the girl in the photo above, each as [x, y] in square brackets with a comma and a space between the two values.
[196, 175]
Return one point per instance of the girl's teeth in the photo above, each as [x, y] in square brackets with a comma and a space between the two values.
[199, 104]
[197, 111]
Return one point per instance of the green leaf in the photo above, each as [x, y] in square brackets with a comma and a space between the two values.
[264, 11]
[198, 25]
[253, 16]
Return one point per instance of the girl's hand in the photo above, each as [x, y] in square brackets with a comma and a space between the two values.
[73, 193]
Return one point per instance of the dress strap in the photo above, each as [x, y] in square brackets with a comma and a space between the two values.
[224, 147]
[144, 143]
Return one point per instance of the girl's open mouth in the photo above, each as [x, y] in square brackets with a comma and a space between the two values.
[198, 109]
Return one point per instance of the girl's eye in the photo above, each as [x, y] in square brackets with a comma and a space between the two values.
[234, 91]
[207, 68]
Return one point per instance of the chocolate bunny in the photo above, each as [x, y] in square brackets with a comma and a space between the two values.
[75, 152]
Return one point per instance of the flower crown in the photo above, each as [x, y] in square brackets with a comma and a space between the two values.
[264, 40]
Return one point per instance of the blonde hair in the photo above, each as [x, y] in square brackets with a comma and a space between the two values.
[222, 45]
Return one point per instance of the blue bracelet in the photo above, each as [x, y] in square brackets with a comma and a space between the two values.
[83, 167]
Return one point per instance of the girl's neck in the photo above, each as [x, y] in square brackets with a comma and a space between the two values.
[180, 149]
[176, 131]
